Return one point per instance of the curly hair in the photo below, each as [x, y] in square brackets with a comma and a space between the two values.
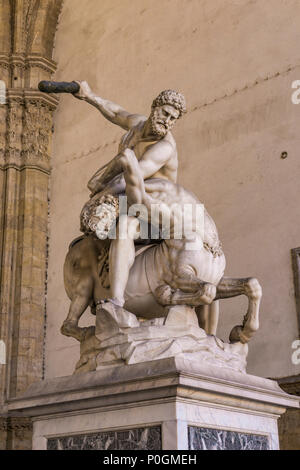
[173, 98]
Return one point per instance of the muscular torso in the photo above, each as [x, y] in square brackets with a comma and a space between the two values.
[133, 139]
[169, 170]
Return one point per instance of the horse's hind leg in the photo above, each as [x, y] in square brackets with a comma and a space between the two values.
[208, 317]
[229, 287]
[81, 298]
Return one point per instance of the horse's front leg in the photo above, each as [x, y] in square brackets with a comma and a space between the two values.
[82, 292]
[185, 288]
[229, 287]
[204, 295]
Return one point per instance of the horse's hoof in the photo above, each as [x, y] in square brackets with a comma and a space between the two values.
[67, 328]
[235, 334]
[70, 329]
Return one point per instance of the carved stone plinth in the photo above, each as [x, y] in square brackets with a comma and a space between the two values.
[171, 403]
[289, 423]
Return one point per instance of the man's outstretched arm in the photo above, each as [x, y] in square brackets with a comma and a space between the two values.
[111, 111]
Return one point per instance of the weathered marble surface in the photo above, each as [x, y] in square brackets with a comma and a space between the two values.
[172, 392]
[105, 387]
[120, 339]
[221, 439]
[148, 438]
[186, 268]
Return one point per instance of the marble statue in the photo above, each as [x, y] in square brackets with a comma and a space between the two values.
[152, 298]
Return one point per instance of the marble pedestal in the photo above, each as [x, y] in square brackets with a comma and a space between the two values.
[167, 404]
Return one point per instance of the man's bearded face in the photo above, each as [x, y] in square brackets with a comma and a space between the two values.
[162, 119]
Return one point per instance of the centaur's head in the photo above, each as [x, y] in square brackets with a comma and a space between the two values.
[166, 109]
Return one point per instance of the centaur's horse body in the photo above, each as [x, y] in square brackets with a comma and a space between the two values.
[147, 276]
[164, 274]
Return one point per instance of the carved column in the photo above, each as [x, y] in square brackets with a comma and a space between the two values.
[25, 139]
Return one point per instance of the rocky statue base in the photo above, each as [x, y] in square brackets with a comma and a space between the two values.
[169, 404]
[120, 338]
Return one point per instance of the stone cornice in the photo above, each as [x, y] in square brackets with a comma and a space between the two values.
[4, 167]
[35, 60]
[290, 384]
[27, 61]
[44, 98]
[21, 95]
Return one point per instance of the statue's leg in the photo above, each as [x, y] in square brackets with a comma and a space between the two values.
[186, 289]
[122, 251]
[81, 298]
[208, 317]
[121, 258]
[229, 287]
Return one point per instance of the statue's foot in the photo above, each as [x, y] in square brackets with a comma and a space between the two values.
[235, 334]
[72, 329]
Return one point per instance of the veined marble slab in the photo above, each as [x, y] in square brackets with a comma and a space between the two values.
[221, 439]
[148, 438]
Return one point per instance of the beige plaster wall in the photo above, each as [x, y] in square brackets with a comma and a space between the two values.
[237, 56]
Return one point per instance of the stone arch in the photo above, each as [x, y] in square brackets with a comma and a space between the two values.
[41, 38]
[5, 26]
